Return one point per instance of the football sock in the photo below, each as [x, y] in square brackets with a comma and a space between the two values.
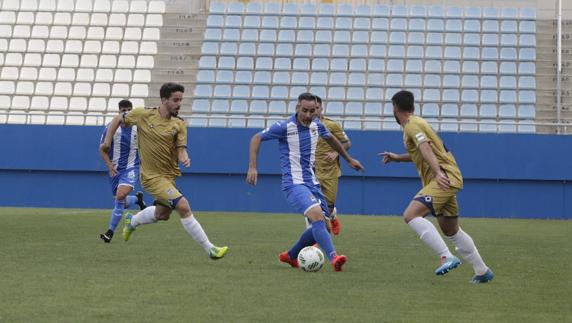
[116, 214]
[465, 245]
[145, 216]
[430, 236]
[334, 213]
[130, 201]
[308, 223]
[323, 238]
[306, 239]
[194, 228]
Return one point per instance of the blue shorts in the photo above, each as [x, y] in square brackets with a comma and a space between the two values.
[302, 198]
[127, 177]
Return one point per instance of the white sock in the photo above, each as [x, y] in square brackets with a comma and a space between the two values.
[466, 247]
[308, 223]
[194, 228]
[334, 213]
[430, 236]
[145, 216]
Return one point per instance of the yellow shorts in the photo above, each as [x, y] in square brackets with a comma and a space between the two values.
[329, 187]
[162, 189]
[440, 202]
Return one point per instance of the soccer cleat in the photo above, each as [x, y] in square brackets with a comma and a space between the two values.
[336, 227]
[285, 257]
[484, 278]
[127, 228]
[216, 253]
[447, 264]
[140, 201]
[338, 262]
[107, 236]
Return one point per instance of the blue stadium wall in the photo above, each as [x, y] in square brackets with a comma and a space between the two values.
[506, 175]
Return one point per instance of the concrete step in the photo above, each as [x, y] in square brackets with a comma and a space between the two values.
[183, 60]
[181, 34]
[178, 46]
[172, 75]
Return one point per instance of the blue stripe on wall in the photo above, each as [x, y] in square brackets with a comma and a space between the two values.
[506, 175]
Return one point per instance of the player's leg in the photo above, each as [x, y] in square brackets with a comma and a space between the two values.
[429, 200]
[330, 191]
[130, 177]
[194, 228]
[464, 244]
[120, 188]
[300, 198]
[159, 188]
[135, 200]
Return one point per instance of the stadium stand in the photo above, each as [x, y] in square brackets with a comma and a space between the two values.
[471, 68]
[60, 55]
[450, 56]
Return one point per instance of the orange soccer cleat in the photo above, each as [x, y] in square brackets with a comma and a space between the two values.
[284, 257]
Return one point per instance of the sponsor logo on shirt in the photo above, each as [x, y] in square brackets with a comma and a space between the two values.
[420, 136]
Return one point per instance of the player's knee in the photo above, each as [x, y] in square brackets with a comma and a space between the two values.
[162, 217]
[121, 196]
[315, 214]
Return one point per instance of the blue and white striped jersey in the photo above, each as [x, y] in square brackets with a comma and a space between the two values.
[123, 152]
[297, 145]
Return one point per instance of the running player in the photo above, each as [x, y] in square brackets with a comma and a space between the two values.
[442, 180]
[122, 162]
[297, 137]
[162, 145]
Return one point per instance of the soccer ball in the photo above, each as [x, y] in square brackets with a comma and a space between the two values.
[311, 259]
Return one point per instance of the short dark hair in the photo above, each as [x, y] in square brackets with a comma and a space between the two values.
[404, 101]
[307, 96]
[318, 99]
[168, 88]
[125, 104]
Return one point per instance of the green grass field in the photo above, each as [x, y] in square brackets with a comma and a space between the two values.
[54, 268]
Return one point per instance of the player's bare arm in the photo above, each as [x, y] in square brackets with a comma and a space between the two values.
[429, 156]
[337, 146]
[111, 169]
[332, 156]
[389, 157]
[106, 145]
[183, 156]
[252, 175]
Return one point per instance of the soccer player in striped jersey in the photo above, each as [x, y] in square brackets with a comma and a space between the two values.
[162, 139]
[441, 180]
[297, 139]
[122, 162]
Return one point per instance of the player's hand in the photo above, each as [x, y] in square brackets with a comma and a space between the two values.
[112, 169]
[355, 164]
[186, 162]
[388, 157]
[331, 156]
[104, 147]
[443, 181]
[252, 176]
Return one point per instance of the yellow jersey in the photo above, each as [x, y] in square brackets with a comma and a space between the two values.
[325, 169]
[158, 141]
[418, 131]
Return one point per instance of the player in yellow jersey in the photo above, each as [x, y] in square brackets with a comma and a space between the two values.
[441, 180]
[162, 140]
[328, 168]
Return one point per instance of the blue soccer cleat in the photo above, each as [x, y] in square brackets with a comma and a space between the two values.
[484, 278]
[447, 264]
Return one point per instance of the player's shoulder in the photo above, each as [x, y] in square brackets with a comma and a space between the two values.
[328, 122]
[416, 121]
